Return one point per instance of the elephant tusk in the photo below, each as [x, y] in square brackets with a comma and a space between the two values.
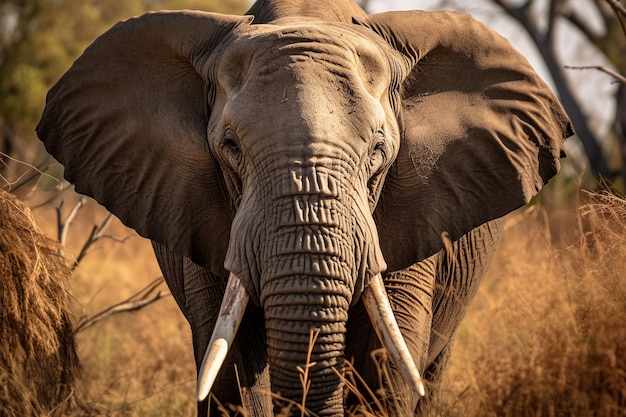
[384, 322]
[228, 320]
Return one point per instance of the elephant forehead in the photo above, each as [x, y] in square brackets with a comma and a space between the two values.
[308, 51]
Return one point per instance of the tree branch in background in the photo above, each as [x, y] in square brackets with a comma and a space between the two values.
[97, 232]
[618, 77]
[12, 181]
[575, 19]
[63, 225]
[141, 299]
[17, 179]
[553, 13]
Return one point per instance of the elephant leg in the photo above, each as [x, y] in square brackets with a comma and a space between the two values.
[460, 271]
[432, 375]
[410, 293]
[429, 300]
[462, 266]
[199, 294]
[172, 267]
[244, 377]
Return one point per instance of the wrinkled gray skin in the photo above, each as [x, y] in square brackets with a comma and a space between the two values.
[306, 152]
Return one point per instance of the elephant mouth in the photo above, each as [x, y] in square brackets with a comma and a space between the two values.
[234, 305]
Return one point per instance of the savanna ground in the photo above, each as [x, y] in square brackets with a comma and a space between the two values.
[545, 336]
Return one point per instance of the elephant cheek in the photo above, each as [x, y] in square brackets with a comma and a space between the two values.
[240, 258]
[367, 249]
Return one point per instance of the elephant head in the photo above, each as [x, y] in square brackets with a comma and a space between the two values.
[304, 154]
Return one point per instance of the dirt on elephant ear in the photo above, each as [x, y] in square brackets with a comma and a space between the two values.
[38, 361]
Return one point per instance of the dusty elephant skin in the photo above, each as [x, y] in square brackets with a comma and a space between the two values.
[300, 155]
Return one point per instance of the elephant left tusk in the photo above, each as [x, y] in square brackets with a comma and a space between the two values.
[228, 320]
[384, 322]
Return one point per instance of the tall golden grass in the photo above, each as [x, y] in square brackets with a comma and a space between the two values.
[545, 336]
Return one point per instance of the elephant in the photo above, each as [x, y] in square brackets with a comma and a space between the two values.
[317, 182]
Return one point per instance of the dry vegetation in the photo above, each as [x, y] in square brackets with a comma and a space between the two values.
[38, 361]
[136, 363]
[546, 335]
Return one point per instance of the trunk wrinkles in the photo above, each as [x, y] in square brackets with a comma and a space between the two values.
[307, 285]
[295, 306]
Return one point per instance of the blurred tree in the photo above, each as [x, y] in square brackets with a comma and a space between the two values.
[613, 45]
[39, 39]
[364, 4]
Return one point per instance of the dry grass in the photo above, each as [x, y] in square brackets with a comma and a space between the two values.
[38, 361]
[137, 363]
[546, 335]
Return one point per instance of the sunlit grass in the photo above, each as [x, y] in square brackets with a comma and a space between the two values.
[545, 336]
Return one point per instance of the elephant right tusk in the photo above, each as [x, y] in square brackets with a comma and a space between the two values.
[228, 320]
[384, 322]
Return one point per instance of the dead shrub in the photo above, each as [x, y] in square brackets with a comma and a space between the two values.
[38, 360]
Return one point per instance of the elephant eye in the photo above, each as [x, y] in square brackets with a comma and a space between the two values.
[230, 143]
[378, 153]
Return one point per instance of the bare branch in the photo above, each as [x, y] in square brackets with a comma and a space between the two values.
[620, 78]
[97, 233]
[63, 225]
[606, 11]
[25, 177]
[515, 11]
[619, 9]
[138, 301]
[100, 231]
[62, 187]
[521, 13]
[553, 13]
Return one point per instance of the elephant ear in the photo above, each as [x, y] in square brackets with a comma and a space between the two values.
[128, 121]
[482, 133]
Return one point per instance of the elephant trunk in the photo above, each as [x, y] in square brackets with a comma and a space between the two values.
[316, 259]
[326, 391]
[304, 256]
[306, 317]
